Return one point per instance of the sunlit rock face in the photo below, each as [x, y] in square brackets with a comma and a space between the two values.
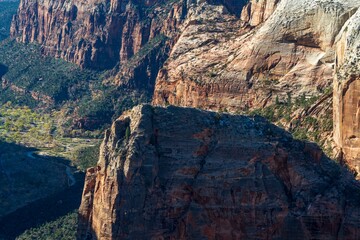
[347, 93]
[277, 48]
[133, 37]
[95, 34]
[181, 173]
[215, 54]
[257, 11]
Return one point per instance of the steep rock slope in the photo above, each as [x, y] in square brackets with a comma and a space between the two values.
[346, 93]
[91, 34]
[256, 12]
[161, 176]
[221, 66]
[135, 37]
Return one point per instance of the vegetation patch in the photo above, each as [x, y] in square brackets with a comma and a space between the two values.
[7, 10]
[45, 78]
[62, 228]
[306, 118]
[86, 156]
[19, 124]
[41, 82]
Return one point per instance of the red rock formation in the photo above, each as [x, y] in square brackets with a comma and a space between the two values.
[216, 64]
[181, 173]
[256, 12]
[93, 33]
[346, 94]
[134, 36]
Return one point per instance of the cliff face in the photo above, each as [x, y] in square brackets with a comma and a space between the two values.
[214, 177]
[216, 64]
[135, 37]
[95, 34]
[256, 12]
[218, 54]
[346, 93]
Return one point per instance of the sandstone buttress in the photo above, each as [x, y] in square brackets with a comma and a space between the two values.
[181, 173]
[346, 93]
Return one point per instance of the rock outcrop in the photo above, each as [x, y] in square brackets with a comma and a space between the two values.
[94, 34]
[217, 65]
[347, 93]
[218, 54]
[256, 12]
[181, 173]
[133, 37]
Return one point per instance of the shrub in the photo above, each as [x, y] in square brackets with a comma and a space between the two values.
[86, 157]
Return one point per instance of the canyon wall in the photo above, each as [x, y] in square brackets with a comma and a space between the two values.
[347, 93]
[161, 176]
[216, 64]
[133, 37]
[101, 34]
[96, 34]
[218, 54]
[256, 12]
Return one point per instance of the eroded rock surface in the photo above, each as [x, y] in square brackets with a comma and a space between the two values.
[181, 173]
[96, 34]
[256, 12]
[133, 37]
[218, 54]
[347, 93]
[216, 64]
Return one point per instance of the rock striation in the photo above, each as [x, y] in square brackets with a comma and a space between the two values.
[256, 12]
[133, 37]
[346, 93]
[94, 34]
[283, 48]
[181, 173]
[214, 54]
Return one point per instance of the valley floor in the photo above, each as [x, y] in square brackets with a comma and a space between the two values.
[41, 175]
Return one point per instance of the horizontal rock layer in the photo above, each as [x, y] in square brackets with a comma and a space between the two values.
[286, 48]
[133, 37]
[181, 173]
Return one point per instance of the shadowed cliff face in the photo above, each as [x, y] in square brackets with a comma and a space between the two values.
[181, 173]
[346, 93]
[234, 6]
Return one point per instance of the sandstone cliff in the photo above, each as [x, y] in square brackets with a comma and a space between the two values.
[135, 37]
[181, 173]
[216, 64]
[220, 54]
[92, 34]
[101, 34]
[256, 12]
[346, 93]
